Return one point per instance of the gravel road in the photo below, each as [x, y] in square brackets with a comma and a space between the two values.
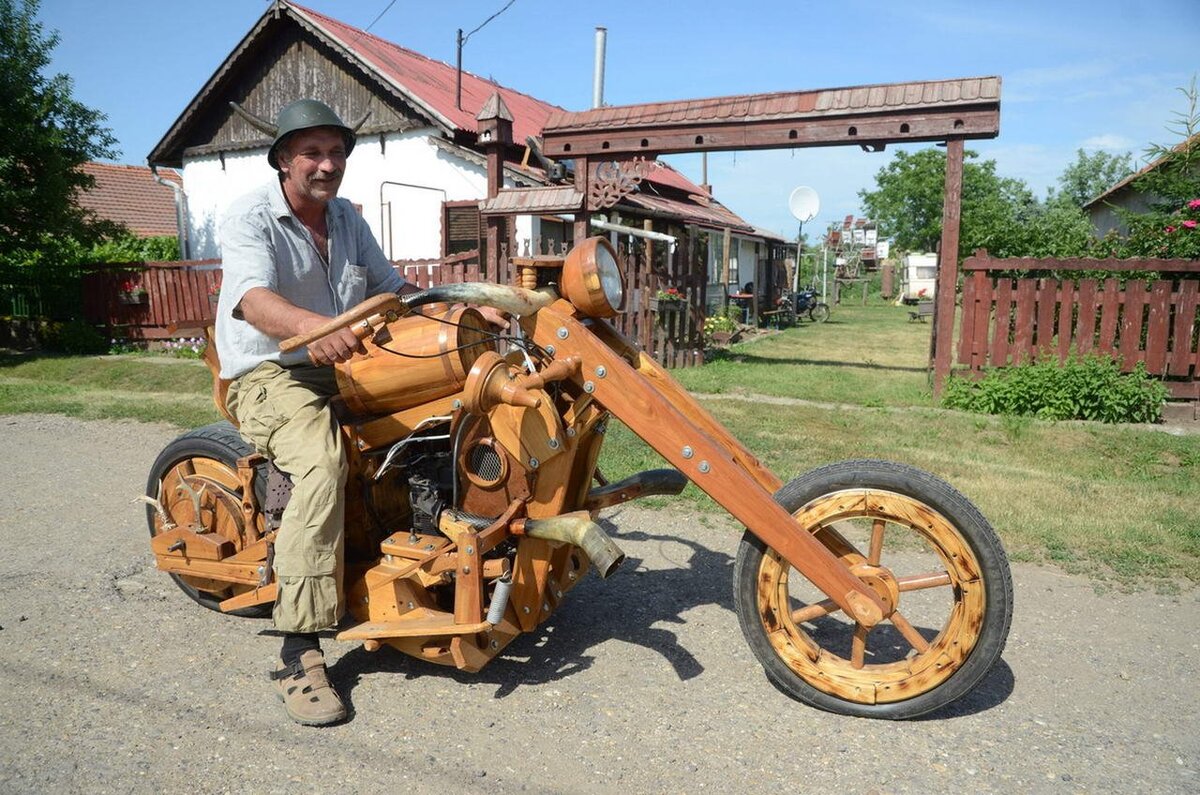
[115, 682]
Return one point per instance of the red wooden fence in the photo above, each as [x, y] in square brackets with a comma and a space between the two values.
[151, 300]
[163, 300]
[1016, 310]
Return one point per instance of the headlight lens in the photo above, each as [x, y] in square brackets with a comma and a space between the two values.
[592, 278]
[610, 276]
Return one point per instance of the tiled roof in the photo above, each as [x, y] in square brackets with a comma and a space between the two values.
[758, 107]
[129, 195]
[1127, 181]
[432, 83]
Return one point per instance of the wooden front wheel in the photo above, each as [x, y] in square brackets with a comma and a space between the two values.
[930, 556]
[204, 461]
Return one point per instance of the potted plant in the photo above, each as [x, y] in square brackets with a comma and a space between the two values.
[132, 293]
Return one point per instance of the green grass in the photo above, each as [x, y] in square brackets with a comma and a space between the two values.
[177, 391]
[871, 356]
[1110, 501]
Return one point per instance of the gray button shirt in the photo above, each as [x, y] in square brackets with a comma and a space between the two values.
[263, 244]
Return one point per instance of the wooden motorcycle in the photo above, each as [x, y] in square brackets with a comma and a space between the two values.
[473, 493]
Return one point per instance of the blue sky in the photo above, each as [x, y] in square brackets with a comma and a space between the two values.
[1102, 74]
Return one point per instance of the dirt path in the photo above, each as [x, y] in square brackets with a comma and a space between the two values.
[114, 682]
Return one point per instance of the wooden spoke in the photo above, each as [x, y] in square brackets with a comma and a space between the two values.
[858, 646]
[917, 582]
[816, 610]
[915, 639]
[876, 549]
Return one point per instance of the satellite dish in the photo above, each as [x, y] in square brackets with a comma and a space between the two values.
[804, 203]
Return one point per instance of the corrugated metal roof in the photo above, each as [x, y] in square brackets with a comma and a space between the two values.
[129, 195]
[432, 83]
[762, 107]
[549, 199]
[713, 214]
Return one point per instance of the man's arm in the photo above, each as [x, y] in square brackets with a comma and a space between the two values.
[274, 315]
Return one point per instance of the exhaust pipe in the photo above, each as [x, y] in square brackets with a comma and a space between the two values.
[579, 529]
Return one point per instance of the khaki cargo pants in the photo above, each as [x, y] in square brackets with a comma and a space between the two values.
[284, 413]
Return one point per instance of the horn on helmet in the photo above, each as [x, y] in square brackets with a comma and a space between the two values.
[355, 127]
[256, 122]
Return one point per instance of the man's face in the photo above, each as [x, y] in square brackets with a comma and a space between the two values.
[313, 162]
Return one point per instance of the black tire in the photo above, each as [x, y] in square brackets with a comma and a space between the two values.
[222, 443]
[818, 313]
[943, 529]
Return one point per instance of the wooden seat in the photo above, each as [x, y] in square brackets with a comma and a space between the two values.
[220, 385]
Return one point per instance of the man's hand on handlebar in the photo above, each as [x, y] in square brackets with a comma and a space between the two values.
[338, 346]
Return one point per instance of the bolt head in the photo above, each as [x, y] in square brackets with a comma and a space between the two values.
[688, 452]
[563, 333]
[704, 467]
[534, 463]
[525, 610]
[601, 371]
[589, 387]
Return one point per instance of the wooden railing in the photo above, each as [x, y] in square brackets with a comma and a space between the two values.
[162, 300]
[1016, 310]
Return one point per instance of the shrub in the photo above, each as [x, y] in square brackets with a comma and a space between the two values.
[1082, 388]
[74, 337]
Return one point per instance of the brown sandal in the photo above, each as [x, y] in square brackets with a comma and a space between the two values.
[306, 692]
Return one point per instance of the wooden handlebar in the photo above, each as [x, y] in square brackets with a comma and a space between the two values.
[374, 305]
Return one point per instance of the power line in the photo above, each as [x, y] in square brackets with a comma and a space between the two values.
[489, 19]
[380, 16]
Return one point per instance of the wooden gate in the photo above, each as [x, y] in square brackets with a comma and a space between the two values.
[1015, 310]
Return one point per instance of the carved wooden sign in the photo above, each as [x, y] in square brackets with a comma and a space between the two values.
[612, 180]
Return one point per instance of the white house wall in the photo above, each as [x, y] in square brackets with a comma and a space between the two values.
[400, 183]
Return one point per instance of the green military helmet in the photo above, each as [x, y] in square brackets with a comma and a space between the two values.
[305, 114]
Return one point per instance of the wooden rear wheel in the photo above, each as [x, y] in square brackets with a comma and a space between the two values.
[203, 462]
[929, 555]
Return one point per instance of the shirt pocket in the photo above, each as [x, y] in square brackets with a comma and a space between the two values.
[353, 288]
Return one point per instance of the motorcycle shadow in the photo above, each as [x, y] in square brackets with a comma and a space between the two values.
[630, 606]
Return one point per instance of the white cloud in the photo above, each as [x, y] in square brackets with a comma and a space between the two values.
[1111, 141]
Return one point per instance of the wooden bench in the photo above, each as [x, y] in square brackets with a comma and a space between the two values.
[923, 310]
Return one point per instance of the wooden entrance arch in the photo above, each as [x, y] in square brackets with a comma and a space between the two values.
[612, 146]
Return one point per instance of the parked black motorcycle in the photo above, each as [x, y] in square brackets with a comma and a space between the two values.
[793, 305]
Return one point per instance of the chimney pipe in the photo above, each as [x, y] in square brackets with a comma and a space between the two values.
[598, 71]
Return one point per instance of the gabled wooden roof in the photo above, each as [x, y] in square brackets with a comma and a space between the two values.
[293, 51]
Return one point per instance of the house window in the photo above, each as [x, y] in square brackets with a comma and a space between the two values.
[461, 229]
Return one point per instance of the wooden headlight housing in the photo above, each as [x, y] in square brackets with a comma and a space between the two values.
[592, 279]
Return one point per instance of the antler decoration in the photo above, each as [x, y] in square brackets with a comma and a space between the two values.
[358, 124]
[260, 124]
[613, 180]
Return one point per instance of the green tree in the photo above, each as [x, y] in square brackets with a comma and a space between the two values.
[1089, 176]
[908, 199]
[47, 136]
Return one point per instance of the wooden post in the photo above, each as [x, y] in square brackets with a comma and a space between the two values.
[583, 217]
[942, 341]
[725, 265]
[494, 126]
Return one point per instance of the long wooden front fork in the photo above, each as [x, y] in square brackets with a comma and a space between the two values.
[667, 418]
